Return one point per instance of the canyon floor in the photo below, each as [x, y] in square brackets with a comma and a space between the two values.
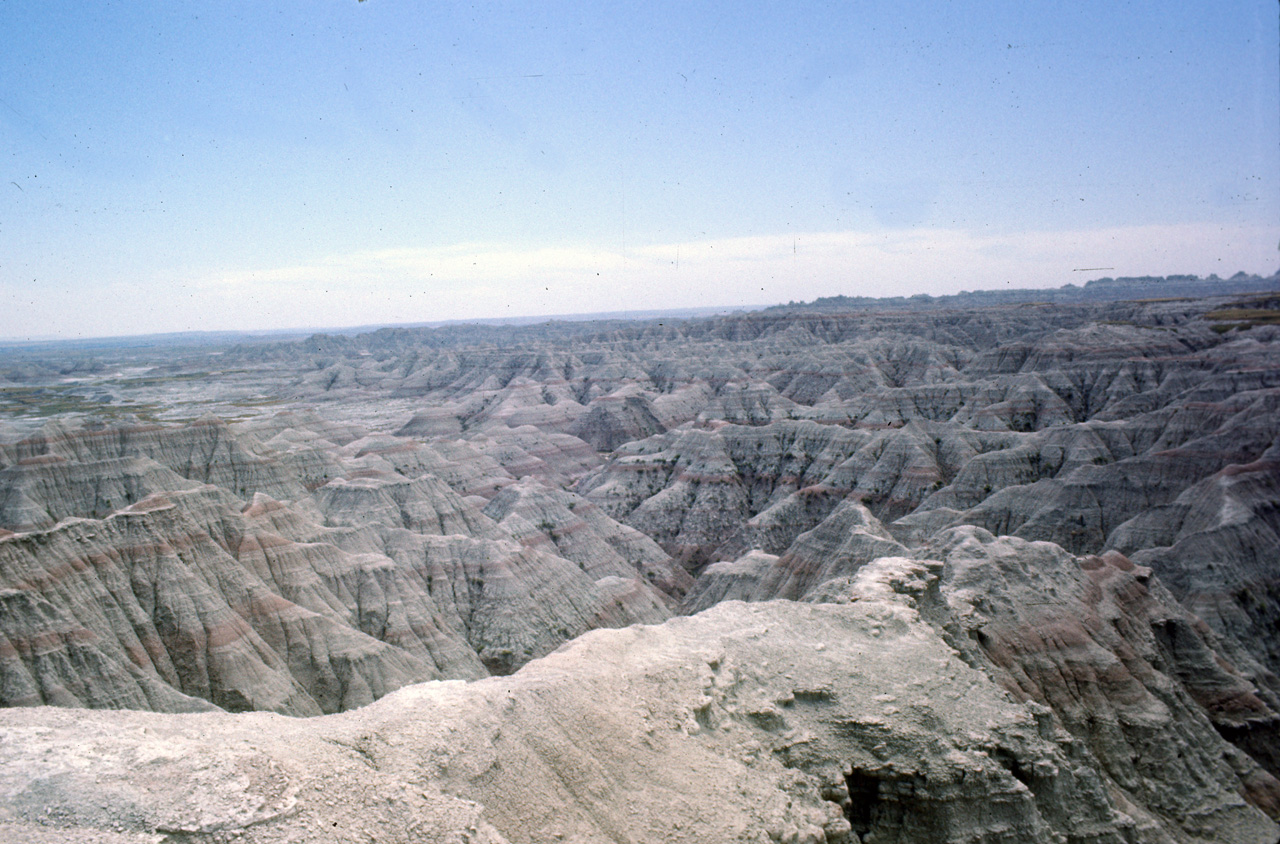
[948, 574]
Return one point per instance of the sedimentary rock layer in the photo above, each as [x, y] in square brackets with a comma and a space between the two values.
[753, 723]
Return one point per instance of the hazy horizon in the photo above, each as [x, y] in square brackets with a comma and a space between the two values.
[357, 328]
[228, 167]
[298, 331]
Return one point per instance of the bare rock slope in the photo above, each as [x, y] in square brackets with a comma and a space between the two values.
[750, 722]
[151, 567]
[1002, 574]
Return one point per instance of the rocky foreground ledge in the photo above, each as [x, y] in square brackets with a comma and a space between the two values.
[873, 714]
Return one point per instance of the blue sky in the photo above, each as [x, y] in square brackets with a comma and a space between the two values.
[179, 166]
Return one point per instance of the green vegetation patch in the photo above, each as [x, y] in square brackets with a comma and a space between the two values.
[158, 380]
[257, 402]
[1246, 313]
[50, 401]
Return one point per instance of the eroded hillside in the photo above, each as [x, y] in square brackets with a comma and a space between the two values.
[1028, 557]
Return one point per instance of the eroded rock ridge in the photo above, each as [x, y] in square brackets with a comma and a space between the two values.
[1004, 574]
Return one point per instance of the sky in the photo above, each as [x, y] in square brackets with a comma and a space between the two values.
[257, 165]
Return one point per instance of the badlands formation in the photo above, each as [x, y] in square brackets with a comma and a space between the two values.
[1002, 574]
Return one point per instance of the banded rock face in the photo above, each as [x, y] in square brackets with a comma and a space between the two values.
[1146, 685]
[390, 500]
[205, 451]
[47, 657]
[133, 585]
[1215, 548]
[574, 528]
[837, 547]
[615, 420]
[38, 492]
[152, 591]
[1141, 681]
[744, 723]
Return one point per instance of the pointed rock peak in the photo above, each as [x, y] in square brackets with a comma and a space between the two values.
[973, 539]
[53, 431]
[57, 428]
[1118, 561]
[755, 561]
[512, 496]
[261, 505]
[851, 514]
[914, 428]
[381, 444]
